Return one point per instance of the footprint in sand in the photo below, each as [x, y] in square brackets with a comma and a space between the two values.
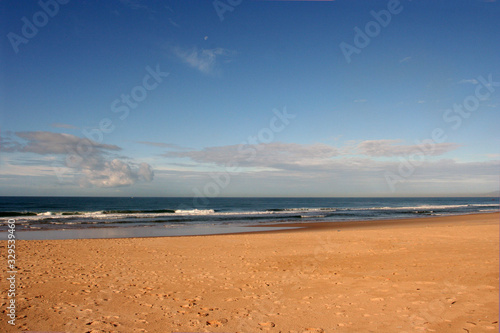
[217, 323]
[267, 324]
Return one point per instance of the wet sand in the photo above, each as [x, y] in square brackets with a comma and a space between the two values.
[438, 274]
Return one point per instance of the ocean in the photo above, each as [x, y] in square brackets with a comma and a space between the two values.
[111, 217]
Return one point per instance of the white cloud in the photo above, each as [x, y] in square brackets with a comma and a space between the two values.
[145, 172]
[115, 173]
[90, 161]
[204, 60]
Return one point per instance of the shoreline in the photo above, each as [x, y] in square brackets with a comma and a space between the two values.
[359, 224]
[209, 230]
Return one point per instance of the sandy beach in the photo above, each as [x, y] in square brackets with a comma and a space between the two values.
[438, 274]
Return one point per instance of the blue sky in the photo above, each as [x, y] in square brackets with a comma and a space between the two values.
[252, 98]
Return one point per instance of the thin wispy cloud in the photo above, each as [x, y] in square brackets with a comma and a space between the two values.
[390, 148]
[147, 7]
[260, 155]
[61, 125]
[172, 22]
[134, 4]
[404, 60]
[204, 60]
[163, 145]
[43, 143]
[471, 81]
[283, 155]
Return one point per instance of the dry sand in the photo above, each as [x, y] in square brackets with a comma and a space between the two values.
[428, 275]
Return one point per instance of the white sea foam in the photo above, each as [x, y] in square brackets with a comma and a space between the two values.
[303, 211]
[194, 211]
[428, 207]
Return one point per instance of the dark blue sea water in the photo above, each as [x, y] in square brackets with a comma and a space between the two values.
[107, 216]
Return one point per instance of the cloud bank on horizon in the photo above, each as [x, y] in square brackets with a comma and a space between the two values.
[97, 165]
